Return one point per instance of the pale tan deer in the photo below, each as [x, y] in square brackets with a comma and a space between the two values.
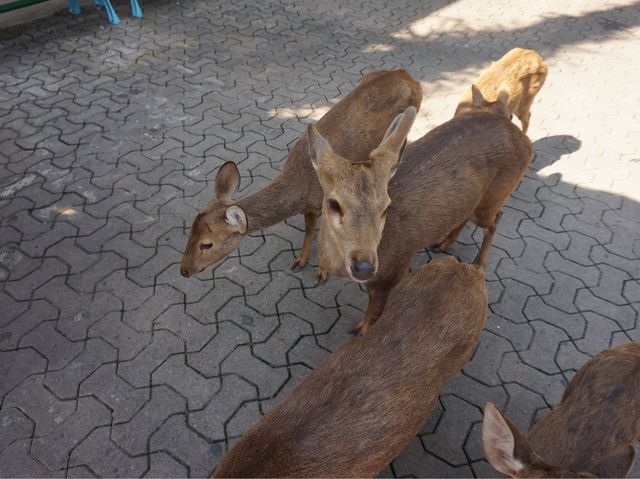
[463, 170]
[591, 434]
[357, 410]
[519, 75]
[355, 126]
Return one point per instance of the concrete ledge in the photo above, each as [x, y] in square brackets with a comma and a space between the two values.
[34, 12]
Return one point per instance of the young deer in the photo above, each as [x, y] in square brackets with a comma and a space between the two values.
[591, 433]
[355, 412]
[463, 170]
[355, 126]
[519, 74]
[358, 228]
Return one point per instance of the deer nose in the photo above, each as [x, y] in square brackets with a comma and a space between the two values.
[184, 273]
[362, 270]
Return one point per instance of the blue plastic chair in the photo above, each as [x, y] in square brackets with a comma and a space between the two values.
[136, 11]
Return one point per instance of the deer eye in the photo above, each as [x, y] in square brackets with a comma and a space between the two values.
[205, 246]
[334, 206]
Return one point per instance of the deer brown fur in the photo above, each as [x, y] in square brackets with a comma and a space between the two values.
[591, 433]
[355, 126]
[355, 412]
[519, 74]
[462, 170]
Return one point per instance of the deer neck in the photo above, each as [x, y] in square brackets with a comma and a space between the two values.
[279, 200]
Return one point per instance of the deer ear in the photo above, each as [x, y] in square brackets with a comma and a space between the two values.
[499, 440]
[504, 92]
[236, 217]
[616, 464]
[227, 180]
[500, 107]
[477, 97]
[395, 139]
[319, 148]
[398, 130]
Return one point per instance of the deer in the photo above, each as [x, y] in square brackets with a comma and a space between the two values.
[373, 224]
[519, 75]
[355, 126]
[591, 434]
[356, 411]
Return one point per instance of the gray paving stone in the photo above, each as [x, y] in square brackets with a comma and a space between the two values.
[53, 449]
[90, 310]
[487, 358]
[15, 366]
[138, 370]
[513, 370]
[65, 382]
[268, 379]
[16, 458]
[142, 317]
[243, 419]
[546, 341]
[15, 328]
[14, 425]
[133, 435]
[184, 326]
[208, 360]
[211, 421]
[296, 303]
[274, 350]
[524, 406]
[104, 458]
[197, 389]
[219, 293]
[176, 438]
[40, 406]
[448, 440]
[415, 461]
[121, 336]
[80, 472]
[58, 350]
[123, 400]
[163, 465]
[623, 315]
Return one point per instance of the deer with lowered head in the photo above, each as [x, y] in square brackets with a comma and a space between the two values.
[357, 410]
[517, 76]
[373, 224]
[591, 434]
[355, 126]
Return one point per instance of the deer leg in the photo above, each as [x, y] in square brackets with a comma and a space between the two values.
[524, 120]
[377, 300]
[321, 277]
[444, 246]
[481, 259]
[309, 227]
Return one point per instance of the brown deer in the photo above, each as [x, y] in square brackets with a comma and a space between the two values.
[355, 126]
[462, 170]
[355, 412]
[519, 75]
[591, 433]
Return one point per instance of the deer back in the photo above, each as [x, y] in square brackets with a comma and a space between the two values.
[355, 412]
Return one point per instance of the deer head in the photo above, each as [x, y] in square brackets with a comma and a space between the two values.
[508, 451]
[218, 228]
[355, 195]
[479, 103]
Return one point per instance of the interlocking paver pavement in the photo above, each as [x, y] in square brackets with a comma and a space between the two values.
[110, 138]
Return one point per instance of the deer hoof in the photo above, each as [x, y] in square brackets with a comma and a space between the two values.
[298, 265]
[321, 278]
[361, 328]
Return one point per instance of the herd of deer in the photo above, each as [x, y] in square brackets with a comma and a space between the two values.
[381, 201]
